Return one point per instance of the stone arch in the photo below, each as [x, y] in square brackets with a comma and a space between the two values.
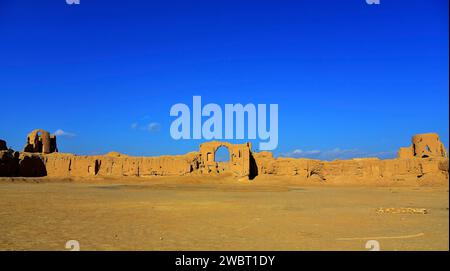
[239, 163]
[226, 155]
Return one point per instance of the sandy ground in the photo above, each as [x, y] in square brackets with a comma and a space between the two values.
[213, 214]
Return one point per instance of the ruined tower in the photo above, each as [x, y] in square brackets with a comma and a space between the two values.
[424, 146]
[40, 141]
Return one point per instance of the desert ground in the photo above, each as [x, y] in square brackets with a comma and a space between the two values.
[216, 213]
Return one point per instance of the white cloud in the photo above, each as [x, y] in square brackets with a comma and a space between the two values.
[301, 152]
[337, 153]
[61, 132]
[154, 127]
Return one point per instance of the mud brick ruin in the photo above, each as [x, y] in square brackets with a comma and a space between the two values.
[425, 159]
[424, 146]
[239, 163]
[40, 141]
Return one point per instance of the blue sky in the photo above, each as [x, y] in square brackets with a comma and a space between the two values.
[350, 79]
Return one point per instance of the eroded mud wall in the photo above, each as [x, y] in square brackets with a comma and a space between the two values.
[426, 159]
[65, 165]
[358, 170]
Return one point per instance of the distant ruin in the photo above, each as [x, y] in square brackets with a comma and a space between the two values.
[239, 163]
[424, 146]
[425, 159]
[40, 141]
[3, 146]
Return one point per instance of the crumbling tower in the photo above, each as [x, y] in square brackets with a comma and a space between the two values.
[40, 141]
[424, 146]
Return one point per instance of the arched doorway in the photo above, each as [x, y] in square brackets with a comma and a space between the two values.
[222, 155]
[239, 158]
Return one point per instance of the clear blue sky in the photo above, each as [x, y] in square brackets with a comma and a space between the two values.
[350, 79]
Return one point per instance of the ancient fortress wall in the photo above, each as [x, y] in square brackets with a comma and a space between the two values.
[424, 159]
[360, 169]
[65, 165]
